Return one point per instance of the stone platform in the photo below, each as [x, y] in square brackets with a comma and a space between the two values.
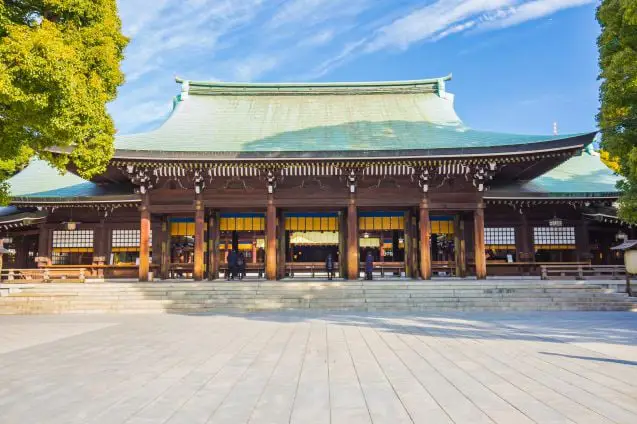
[383, 295]
[319, 367]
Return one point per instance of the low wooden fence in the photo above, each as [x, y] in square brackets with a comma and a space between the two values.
[583, 272]
[43, 275]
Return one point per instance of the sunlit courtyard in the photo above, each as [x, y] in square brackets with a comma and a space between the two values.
[323, 368]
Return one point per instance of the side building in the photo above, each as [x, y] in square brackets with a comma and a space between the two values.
[287, 174]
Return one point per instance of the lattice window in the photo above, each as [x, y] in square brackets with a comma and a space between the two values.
[72, 247]
[499, 236]
[554, 237]
[128, 240]
[73, 239]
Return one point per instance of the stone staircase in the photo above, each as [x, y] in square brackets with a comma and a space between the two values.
[384, 295]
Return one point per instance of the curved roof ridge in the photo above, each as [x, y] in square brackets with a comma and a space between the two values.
[309, 85]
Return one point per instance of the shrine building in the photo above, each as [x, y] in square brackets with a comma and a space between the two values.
[289, 173]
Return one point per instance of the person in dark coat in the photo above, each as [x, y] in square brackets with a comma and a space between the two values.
[241, 265]
[329, 266]
[369, 266]
[232, 264]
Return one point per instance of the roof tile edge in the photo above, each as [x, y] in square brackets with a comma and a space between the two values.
[436, 85]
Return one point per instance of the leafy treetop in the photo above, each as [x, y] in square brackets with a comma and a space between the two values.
[618, 94]
[59, 67]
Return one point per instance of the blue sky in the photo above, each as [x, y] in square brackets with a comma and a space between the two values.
[518, 65]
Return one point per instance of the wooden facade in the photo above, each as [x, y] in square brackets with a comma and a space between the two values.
[426, 195]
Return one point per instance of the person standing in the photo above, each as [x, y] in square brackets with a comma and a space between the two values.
[329, 266]
[232, 264]
[369, 266]
[241, 265]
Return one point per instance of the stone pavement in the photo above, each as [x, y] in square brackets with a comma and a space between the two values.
[319, 368]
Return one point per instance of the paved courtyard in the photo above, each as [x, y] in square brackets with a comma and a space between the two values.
[338, 368]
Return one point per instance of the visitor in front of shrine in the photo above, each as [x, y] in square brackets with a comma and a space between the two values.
[241, 265]
[329, 266]
[369, 266]
[232, 264]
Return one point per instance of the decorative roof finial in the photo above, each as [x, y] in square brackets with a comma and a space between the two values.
[185, 87]
[441, 89]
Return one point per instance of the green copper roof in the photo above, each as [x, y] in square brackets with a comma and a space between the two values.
[39, 180]
[328, 117]
[580, 176]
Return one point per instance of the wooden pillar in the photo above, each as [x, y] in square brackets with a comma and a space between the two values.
[21, 252]
[425, 240]
[254, 248]
[282, 245]
[353, 262]
[408, 245]
[44, 246]
[480, 255]
[461, 247]
[525, 252]
[144, 238]
[582, 240]
[164, 254]
[342, 245]
[415, 249]
[382, 247]
[270, 239]
[100, 241]
[198, 270]
[213, 245]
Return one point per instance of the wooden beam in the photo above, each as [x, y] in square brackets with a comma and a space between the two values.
[353, 261]
[480, 254]
[198, 269]
[270, 248]
[144, 238]
[425, 240]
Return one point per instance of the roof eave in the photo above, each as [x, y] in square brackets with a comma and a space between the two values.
[564, 144]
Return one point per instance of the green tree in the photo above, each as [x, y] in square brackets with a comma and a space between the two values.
[617, 117]
[59, 67]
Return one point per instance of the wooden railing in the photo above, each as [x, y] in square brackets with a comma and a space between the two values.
[44, 275]
[313, 268]
[583, 271]
[258, 268]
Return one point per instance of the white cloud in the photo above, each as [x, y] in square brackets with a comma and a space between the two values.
[445, 17]
[253, 67]
[427, 22]
[313, 12]
[143, 113]
[318, 39]
[250, 40]
[532, 10]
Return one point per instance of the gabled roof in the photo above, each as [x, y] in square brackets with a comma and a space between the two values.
[11, 217]
[39, 182]
[333, 118]
[580, 176]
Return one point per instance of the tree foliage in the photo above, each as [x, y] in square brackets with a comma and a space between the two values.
[59, 67]
[618, 94]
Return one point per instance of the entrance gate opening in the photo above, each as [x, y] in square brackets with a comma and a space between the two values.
[383, 235]
[309, 238]
[443, 240]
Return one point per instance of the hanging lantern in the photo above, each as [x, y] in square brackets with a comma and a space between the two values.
[556, 222]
